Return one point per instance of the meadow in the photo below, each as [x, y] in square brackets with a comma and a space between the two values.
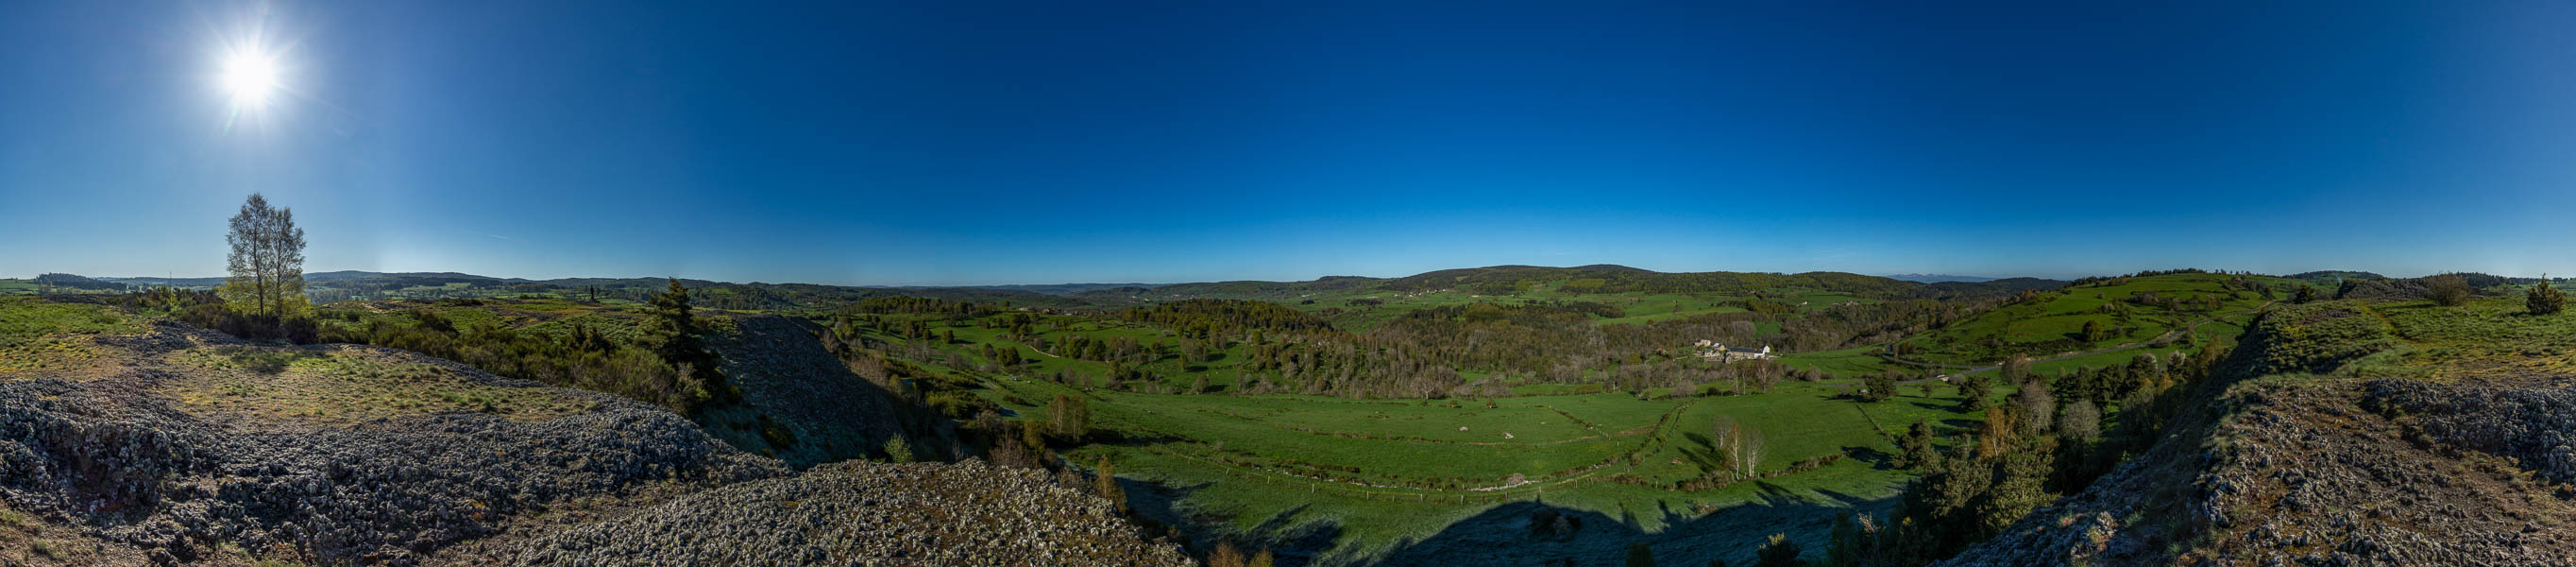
[2130, 311]
[1375, 474]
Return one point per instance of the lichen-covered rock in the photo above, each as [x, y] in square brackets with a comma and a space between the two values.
[164, 449]
[860, 513]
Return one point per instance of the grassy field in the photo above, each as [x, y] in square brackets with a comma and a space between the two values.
[2053, 322]
[1375, 473]
[1846, 363]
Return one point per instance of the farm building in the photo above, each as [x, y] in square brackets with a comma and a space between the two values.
[1717, 351]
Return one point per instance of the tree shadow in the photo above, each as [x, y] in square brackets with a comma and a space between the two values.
[1292, 540]
[1706, 454]
[1509, 534]
[1877, 459]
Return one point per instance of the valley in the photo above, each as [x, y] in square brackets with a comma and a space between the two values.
[1342, 421]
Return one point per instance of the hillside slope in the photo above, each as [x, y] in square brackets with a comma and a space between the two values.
[790, 383]
[2101, 314]
[2353, 433]
[131, 440]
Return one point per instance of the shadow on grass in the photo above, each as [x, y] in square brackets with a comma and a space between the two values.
[1293, 541]
[1877, 459]
[1530, 532]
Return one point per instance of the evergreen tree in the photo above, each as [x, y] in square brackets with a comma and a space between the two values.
[1917, 446]
[2020, 485]
[2544, 300]
[1972, 391]
[673, 332]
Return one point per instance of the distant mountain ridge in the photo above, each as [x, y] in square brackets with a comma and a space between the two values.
[1487, 280]
[1938, 278]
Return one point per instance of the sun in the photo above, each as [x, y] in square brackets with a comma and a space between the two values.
[251, 77]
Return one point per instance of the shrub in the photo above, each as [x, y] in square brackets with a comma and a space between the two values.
[218, 317]
[2544, 300]
[898, 450]
[1780, 552]
[2447, 290]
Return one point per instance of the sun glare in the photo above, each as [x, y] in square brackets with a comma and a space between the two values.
[250, 77]
[251, 71]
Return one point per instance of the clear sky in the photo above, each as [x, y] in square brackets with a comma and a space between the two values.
[999, 142]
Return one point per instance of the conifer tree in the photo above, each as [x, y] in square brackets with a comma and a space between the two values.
[2544, 300]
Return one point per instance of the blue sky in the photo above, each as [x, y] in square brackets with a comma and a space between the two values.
[995, 142]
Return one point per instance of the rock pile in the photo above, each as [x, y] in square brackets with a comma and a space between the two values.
[858, 513]
[386, 492]
[118, 453]
[2535, 426]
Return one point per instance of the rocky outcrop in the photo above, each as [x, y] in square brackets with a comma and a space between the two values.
[2292, 460]
[865, 514]
[181, 446]
[789, 382]
[135, 471]
[2534, 426]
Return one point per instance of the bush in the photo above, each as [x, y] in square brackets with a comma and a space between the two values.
[2544, 300]
[217, 316]
[898, 450]
[1779, 552]
[579, 360]
[2447, 290]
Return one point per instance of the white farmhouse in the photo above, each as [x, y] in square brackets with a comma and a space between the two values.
[1717, 351]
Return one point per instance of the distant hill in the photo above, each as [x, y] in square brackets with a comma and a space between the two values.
[1063, 288]
[2332, 277]
[1938, 278]
[1993, 288]
[1490, 280]
[75, 282]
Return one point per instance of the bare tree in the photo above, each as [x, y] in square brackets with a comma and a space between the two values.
[1748, 452]
[2037, 405]
[1742, 446]
[267, 262]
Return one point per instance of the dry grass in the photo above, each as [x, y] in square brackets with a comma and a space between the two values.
[346, 385]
